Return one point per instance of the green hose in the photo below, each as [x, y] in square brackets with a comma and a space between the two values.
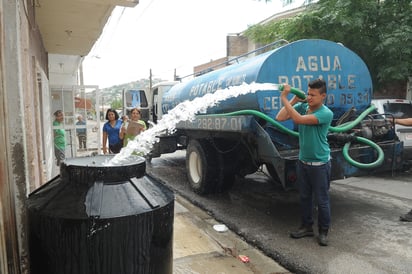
[299, 93]
[347, 126]
[341, 128]
[378, 161]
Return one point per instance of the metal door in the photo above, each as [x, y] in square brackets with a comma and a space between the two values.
[79, 101]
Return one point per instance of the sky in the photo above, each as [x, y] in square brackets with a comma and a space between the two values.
[165, 35]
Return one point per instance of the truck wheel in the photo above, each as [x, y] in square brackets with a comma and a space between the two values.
[201, 166]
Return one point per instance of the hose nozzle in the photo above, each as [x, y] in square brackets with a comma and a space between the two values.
[299, 93]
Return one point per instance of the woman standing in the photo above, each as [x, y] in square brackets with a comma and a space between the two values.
[133, 127]
[59, 137]
[111, 131]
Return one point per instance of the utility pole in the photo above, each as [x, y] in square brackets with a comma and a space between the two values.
[150, 79]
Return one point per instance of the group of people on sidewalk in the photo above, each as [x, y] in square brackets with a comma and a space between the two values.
[116, 132]
[60, 135]
[120, 131]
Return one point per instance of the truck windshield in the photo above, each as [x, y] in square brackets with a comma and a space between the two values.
[398, 110]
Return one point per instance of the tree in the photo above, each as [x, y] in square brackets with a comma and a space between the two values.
[116, 104]
[380, 32]
[394, 40]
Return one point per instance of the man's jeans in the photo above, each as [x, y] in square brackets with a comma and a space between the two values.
[314, 182]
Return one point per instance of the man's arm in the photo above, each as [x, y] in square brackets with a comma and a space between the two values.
[104, 142]
[404, 122]
[283, 115]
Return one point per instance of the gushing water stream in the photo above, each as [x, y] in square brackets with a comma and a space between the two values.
[185, 111]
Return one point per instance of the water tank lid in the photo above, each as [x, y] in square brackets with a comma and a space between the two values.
[86, 170]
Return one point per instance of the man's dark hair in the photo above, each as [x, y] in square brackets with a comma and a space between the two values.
[57, 112]
[318, 84]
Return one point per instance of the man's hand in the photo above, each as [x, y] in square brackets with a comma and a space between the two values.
[286, 90]
[285, 93]
[391, 120]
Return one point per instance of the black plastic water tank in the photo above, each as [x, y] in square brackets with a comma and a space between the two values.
[98, 219]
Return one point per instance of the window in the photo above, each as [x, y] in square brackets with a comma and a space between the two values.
[398, 110]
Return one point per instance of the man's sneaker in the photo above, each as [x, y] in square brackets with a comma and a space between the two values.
[303, 231]
[323, 237]
[406, 217]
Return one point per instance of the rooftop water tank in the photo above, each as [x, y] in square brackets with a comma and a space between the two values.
[101, 219]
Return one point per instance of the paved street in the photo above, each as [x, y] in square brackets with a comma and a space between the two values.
[366, 235]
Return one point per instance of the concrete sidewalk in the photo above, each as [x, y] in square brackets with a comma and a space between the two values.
[199, 248]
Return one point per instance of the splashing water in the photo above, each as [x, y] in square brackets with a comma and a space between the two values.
[185, 111]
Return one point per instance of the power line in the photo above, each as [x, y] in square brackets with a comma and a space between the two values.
[144, 10]
[106, 30]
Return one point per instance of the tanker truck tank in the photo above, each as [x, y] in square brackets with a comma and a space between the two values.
[348, 80]
[239, 135]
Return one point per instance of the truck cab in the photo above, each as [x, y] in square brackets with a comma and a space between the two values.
[398, 108]
[136, 98]
[156, 95]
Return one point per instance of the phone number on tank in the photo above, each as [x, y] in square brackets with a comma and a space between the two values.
[227, 123]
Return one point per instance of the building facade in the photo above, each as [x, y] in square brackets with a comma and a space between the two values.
[42, 44]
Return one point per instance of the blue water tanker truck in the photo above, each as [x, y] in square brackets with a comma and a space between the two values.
[240, 135]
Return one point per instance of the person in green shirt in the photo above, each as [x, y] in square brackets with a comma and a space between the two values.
[133, 127]
[59, 137]
[314, 166]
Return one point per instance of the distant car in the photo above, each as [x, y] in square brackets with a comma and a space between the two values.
[398, 108]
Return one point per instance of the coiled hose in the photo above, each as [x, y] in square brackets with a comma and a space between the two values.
[341, 128]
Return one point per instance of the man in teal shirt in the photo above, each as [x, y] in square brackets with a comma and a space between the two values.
[59, 137]
[313, 119]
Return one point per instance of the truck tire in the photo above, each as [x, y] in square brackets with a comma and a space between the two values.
[202, 167]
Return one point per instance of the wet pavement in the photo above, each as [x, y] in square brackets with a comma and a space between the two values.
[199, 248]
[366, 235]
